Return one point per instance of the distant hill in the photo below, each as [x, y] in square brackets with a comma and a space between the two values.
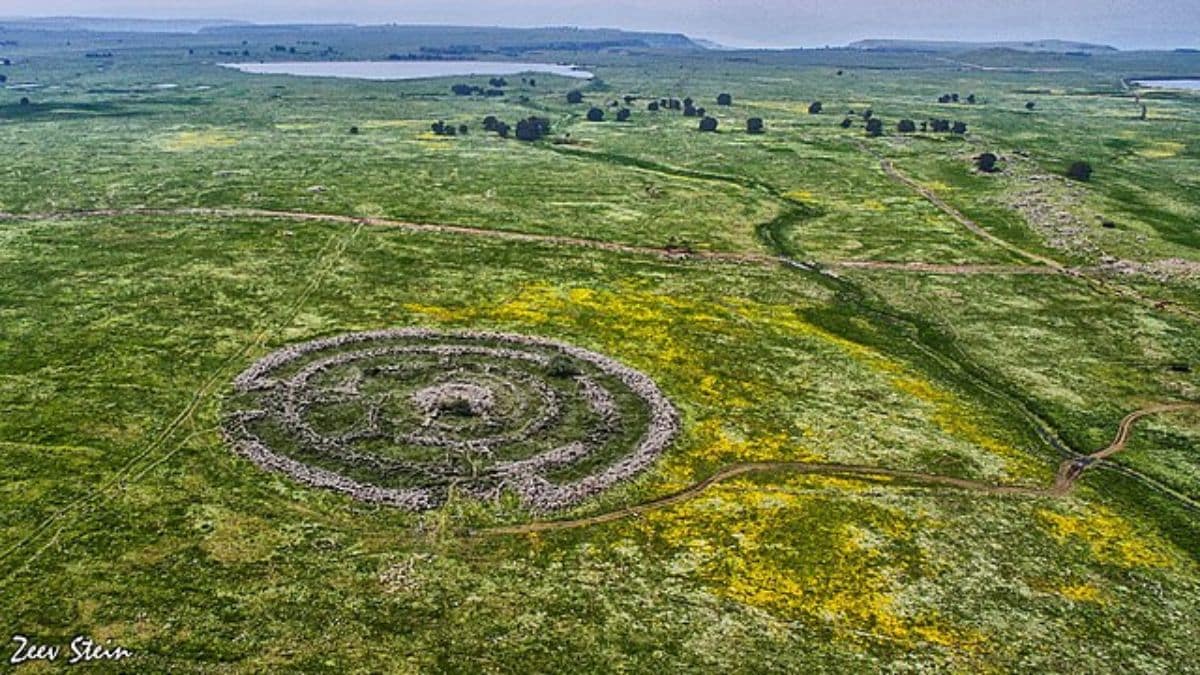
[106, 25]
[469, 41]
[949, 46]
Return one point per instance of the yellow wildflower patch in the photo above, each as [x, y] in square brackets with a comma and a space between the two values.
[780, 551]
[953, 418]
[1081, 593]
[186, 141]
[1162, 150]
[720, 446]
[1111, 539]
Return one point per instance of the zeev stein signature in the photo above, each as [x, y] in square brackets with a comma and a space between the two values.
[81, 650]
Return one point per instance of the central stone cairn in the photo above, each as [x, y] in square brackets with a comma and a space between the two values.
[405, 416]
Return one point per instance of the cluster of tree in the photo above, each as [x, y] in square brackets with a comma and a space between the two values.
[529, 129]
[98, 55]
[907, 126]
[281, 48]
[954, 98]
[498, 82]
[442, 129]
[533, 129]
[941, 126]
[690, 109]
[472, 90]
[491, 123]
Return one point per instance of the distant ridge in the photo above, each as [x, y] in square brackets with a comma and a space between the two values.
[115, 25]
[1051, 46]
[548, 37]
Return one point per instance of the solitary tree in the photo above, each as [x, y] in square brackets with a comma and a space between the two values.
[754, 125]
[987, 162]
[1030, 105]
[815, 108]
[654, 106]
[847, 123]
[463, 129]
[503, 129]
[906, 126]
[490, 122]
[575, 97]
[874, 127]
[623, 115]
[24, 100]
[708, 124]
[1081, 171]
[3, 79]
[725, 99]
[868, 114]
[353, 131]
[971, 99]
[959, 128]
[689, 110]
[595, 115]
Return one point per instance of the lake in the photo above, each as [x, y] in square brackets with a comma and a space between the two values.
[1194, 85]
[405, 70]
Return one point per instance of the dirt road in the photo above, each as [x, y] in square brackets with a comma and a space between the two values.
[1068, 475]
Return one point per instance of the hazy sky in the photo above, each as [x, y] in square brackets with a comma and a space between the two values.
[1124, 23]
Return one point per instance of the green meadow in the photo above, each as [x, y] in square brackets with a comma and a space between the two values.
[798, 297]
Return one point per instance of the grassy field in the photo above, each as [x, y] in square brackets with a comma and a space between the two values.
[147, 258]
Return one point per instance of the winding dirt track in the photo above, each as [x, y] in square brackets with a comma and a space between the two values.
[302, 216]
[1069, 473]
[1094, 281]
[930, 196]
[558, 240]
